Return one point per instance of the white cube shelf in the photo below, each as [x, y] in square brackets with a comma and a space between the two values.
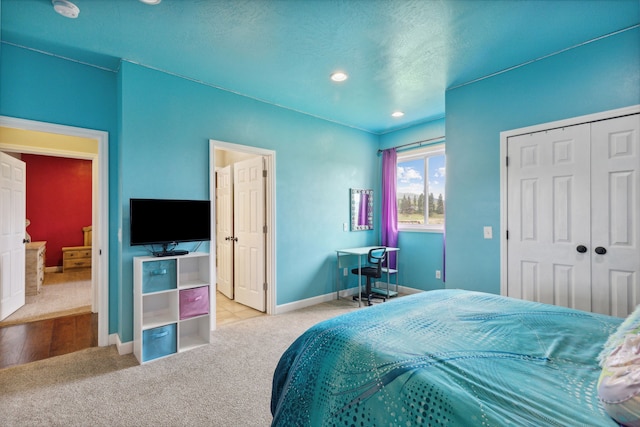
[157, 281]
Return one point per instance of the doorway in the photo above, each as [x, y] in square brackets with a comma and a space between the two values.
[223, 154]
[57, 261]
[67, 141]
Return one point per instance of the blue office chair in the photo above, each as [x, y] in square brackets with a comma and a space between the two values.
[373, 270]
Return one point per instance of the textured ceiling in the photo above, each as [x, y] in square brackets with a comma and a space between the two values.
[399, 54]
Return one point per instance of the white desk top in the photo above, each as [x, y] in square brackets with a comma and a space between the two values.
[364, 250]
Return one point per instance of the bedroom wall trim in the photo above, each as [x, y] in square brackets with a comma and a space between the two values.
[573, 121]
[123, 348]
[346, 293]
[297, 305]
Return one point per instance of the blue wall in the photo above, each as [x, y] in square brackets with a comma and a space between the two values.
[159, 129]
[159, 126]
[421, 253]
[598, 76]
[166, 125]
[49, 89]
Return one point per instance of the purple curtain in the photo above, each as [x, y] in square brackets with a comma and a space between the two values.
[389, 215]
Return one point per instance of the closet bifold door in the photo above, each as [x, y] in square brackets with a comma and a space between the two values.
[573, 216]
[549, 218]
[615, 207]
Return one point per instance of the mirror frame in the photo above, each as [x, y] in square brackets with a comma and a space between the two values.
[356, 196]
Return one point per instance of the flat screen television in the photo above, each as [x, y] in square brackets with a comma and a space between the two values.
[167, 222]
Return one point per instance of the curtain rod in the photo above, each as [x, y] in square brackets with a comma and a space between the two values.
[416, 143]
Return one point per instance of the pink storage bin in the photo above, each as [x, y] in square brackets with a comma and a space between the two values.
[194, 302]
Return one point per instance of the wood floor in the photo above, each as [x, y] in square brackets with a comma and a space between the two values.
[33, 341]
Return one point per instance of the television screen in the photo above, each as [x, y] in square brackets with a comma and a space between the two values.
[164, 221]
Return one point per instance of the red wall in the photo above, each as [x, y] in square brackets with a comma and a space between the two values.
[58, 202]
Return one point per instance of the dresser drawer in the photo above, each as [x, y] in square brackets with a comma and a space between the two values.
[80, 253]
[35, 255]
[76, 257]
[76, 263]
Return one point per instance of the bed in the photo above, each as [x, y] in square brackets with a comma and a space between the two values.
[446, 358]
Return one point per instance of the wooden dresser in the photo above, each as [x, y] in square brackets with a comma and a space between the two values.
[76, 257]
[35, 256]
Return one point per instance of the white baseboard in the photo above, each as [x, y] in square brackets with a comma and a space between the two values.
[407, 291]
[123, 348]
[345, 293]
[297, 305]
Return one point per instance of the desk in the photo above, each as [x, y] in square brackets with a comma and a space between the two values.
[360, 252]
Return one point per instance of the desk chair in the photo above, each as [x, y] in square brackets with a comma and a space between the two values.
[373, 270]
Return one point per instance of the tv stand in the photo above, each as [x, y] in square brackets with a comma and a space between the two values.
[167, 252]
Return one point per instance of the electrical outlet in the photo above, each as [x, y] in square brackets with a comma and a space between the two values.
[488, 232]
[345, 227]
[438, 274]
[345, 271]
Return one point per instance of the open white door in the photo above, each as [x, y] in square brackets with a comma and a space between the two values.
[224, 234]
[12, 233]
[249, 232]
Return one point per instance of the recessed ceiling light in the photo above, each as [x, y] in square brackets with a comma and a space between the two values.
[66, 8]
[151, 1]
[397, 114]
[339, 76]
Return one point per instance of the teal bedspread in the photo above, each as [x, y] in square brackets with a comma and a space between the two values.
[445, 358]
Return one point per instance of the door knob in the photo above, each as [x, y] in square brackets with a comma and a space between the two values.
[600, 250]
[235, 239]
[581, 248]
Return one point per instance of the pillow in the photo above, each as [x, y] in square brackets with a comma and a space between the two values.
[619, 382]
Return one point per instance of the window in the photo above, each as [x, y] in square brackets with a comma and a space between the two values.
[420, 188]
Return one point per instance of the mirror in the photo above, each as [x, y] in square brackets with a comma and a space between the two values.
[361, 209]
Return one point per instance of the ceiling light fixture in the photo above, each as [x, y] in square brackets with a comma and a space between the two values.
[339, 76]
[66, 8]
[397, 114]
[153, 2]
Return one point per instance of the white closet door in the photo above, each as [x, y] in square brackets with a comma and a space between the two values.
[224, 233]
[249, 222]
[549, 217]
[12, 234]
[615, 215]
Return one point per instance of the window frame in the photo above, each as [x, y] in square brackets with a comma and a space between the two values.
[424, 153]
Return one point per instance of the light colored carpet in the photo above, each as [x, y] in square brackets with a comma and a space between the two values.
[62, 294]
[227, 383]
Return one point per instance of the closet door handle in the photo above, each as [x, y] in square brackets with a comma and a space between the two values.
[581, 248]
[600, 250]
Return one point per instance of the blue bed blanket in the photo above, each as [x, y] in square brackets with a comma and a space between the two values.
[446, 358]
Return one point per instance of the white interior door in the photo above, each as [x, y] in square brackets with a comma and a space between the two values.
[224, 234]
[573, 216]
[548, 217]
[12, 234]
[615, 215]
[248, 226]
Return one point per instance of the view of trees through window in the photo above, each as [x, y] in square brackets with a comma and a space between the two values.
[418, 176]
